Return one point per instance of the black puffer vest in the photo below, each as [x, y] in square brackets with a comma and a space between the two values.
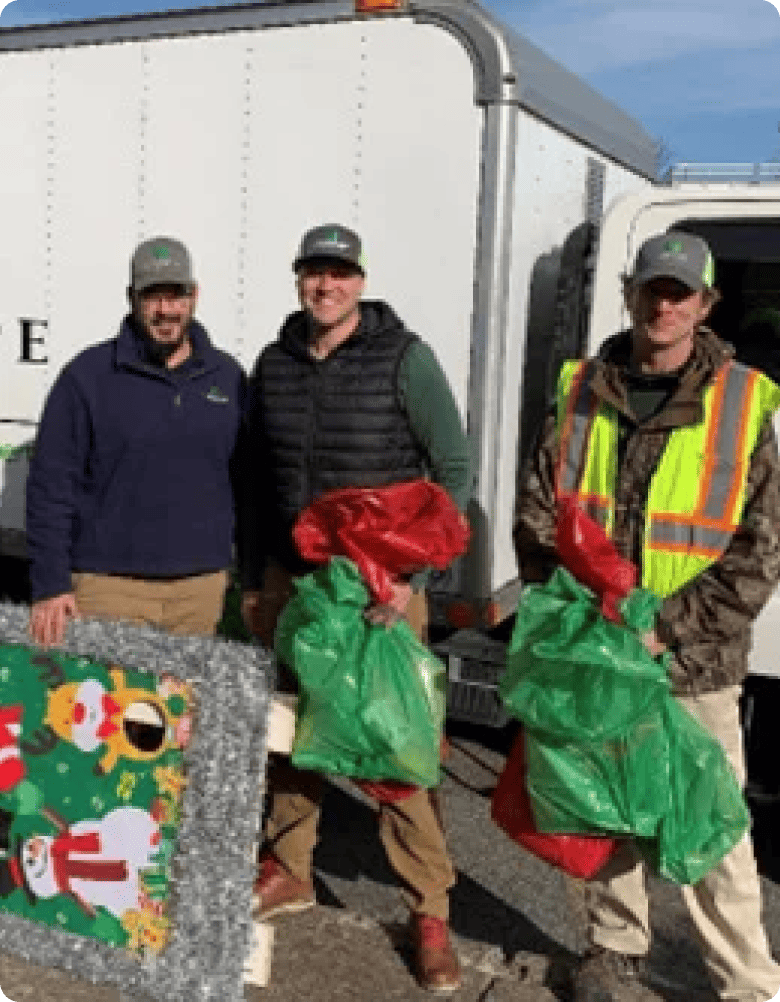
[335, 422]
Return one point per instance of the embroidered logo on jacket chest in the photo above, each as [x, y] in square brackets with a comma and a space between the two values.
[216, 396]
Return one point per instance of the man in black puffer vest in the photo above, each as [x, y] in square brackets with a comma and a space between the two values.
[346, 397]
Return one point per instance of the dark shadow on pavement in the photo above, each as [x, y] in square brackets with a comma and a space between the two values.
[478, 915]
[677, 971]
[349, 843]
[349, 847]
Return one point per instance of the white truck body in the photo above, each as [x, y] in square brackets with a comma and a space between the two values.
[462, 154]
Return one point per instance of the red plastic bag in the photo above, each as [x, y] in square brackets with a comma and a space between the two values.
[589, 555]
[387, 791]
[389, 532]
[510, 809]
[587, 552]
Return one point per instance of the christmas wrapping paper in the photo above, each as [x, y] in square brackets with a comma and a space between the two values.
[132, 768]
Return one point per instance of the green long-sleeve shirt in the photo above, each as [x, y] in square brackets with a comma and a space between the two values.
[433, 416]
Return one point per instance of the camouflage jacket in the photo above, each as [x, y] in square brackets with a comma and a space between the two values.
[707, 624]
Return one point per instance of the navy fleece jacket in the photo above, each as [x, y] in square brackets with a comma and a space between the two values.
[134, 465]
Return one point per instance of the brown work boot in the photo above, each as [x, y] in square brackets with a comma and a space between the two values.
[602, 974]
[276, 890]
[437, 965]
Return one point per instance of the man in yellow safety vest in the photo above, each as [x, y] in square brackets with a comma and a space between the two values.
[668, 442]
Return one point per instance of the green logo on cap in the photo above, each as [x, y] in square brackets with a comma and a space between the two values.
[161, 253]
[708, 276]
[673, 247]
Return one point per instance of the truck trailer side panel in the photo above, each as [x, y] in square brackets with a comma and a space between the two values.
[236, 143]
[462, 154]
[555, 179]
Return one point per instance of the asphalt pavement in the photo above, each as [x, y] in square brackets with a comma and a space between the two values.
[517, 924]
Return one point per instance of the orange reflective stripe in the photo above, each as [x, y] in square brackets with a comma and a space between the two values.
[671, 518]
[687, 535]
[719, 391]
[581, 407]
[729, 513]
[709, 529]
[564, 442]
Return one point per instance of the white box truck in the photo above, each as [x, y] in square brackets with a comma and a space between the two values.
[476, 169]
[463, 155]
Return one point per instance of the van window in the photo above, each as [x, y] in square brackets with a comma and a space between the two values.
[747, 272]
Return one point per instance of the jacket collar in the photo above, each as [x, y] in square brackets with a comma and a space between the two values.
[375, 317]
[686, 405]
[130, 351]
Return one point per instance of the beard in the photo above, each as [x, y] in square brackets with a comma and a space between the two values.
[158, 352]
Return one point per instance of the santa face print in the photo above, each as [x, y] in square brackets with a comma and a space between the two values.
[36, 856]
[36, 864]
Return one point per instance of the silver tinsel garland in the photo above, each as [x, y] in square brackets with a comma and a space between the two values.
[214, 865]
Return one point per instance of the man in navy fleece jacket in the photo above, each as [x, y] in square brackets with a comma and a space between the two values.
[130, 500]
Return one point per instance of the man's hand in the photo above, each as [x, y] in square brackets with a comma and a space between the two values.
[653, 644]
[392, 611]
[49, 618]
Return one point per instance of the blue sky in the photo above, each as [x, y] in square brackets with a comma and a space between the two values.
[702, 75]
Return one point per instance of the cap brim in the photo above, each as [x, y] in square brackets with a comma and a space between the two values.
[327, 257]
[141, 286]
[665, 271]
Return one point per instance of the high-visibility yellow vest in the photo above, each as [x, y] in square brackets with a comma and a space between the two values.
[697, 493]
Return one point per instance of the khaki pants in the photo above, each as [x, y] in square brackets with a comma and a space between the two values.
[725, 906]
[191, 605]
[411, 830]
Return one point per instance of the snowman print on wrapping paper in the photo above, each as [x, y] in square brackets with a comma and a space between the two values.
[95, 862]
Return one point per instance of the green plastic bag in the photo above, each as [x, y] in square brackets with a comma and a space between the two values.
[608, 748]
[708, 814]
[372, 700]
[574, 675]
[620, 785]
[668, 783]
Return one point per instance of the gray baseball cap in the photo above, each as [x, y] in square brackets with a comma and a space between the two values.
[160, 261]
[675, 255]
[331, 242]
